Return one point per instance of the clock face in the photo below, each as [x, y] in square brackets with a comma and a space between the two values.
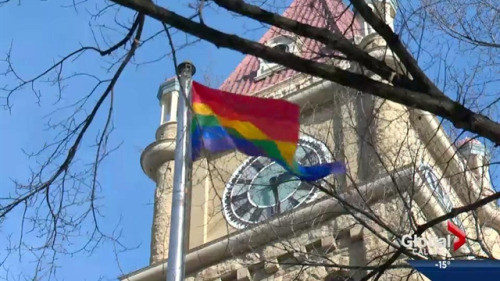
[437, 189]
[261, 188]
[442, 197]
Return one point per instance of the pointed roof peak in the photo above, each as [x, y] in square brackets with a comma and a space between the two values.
[247, 79]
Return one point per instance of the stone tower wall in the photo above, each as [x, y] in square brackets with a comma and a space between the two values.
[161, 214]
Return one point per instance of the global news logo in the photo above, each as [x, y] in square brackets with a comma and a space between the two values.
[420, 245]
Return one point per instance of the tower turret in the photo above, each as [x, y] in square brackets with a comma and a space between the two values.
[370, 40]
[477, 160]
[157, 161]
[168, 95]
[385, 9]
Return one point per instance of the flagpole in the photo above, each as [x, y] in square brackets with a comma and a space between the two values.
[181, 195]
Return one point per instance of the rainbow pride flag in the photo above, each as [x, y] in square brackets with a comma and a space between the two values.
[255, 126]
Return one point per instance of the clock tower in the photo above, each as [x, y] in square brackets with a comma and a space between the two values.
[252, 220]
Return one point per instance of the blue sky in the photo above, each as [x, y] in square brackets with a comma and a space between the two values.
[41, 32]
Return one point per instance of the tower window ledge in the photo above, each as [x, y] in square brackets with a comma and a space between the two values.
[281, 43]
[265, 71]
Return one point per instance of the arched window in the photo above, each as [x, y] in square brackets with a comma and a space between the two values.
[282, 47]
[281, 43]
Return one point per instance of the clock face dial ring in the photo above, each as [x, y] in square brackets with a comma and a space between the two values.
[441, 195]
[261, 188]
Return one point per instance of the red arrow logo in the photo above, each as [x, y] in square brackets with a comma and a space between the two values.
[458, 233]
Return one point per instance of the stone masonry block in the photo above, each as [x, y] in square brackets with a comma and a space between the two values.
[243, 274]
[328, 243]
[271, 266]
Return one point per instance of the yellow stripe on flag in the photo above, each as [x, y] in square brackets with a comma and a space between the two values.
[249, 131]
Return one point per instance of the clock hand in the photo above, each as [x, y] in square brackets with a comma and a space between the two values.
[275, 182]
[276, 198]
[284, 177]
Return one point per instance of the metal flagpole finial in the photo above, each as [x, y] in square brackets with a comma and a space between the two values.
[186, 67]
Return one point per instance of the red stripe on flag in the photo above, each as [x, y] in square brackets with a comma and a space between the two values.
[278, 119]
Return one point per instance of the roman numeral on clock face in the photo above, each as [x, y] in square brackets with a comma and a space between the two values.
[258, 165]
[243, 209]
[239, 197]
[269, 212]
[242, 180]
[256, 215]
[292, 201]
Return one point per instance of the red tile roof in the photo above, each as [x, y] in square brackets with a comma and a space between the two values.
[331, 14]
